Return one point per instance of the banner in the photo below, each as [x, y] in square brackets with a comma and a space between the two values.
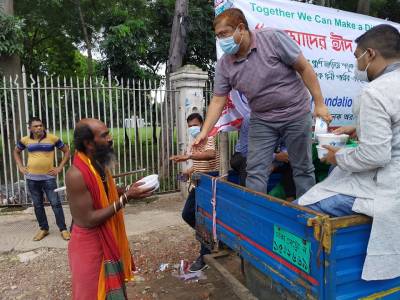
[326, 37]
[234, 111]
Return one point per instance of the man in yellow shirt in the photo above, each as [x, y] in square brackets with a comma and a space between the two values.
[40, 174]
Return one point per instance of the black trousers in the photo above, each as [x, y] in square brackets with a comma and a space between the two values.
[189, 216]
[238, 163]
[287, 179]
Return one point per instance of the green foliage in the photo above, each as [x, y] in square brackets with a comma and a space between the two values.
[11, 35]
[132, 36]
[201, 47]
[48, 48]
[125, 47]
[137, 37]
[347, 5]
[384, 9]
[387, 9]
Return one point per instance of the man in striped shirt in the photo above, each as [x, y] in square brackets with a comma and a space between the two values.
[205, 159]
[40, 174]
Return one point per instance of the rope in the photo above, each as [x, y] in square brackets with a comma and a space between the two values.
[214, 181]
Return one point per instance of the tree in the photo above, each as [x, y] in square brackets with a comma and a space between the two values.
[87, 31]
[177, 50]
[363, 7]
[201, 39]
[48, 48]
[10, 39]
[10, 66]
[11, 35]
[128, 44]
[178, 40]
[386, 9]
[87, 37]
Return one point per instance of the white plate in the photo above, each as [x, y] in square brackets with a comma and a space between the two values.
[156, 187]
[150, 181]
[336, 140]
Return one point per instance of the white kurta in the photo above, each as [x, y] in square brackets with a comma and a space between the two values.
[371, 173]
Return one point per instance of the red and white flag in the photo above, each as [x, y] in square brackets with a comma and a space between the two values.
[235, 110]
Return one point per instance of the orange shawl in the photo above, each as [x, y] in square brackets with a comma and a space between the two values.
[117, 263]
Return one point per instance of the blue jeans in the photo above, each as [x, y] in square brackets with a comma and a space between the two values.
[37, 188]
[336, 206]
[262, 141]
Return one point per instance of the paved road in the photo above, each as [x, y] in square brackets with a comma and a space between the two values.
[17, 229]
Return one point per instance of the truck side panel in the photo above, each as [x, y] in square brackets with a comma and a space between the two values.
[344, 265]
[246, 223]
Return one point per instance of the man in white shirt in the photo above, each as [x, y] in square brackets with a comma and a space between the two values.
[367, 178]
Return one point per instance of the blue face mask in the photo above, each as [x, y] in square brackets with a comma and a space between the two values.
[194, 131]
[228, 45]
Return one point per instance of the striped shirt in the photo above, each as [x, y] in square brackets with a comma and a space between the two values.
[207, 165]
[40, 154]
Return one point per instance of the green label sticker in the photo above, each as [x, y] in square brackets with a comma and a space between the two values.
[292, 248]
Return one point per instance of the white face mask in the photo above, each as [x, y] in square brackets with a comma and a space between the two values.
[194, 131]
[358, 74]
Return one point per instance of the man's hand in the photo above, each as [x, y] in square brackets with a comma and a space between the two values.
[350, 130]
[330, 158]
[54, 171]
[200, 141]
[135, 192]
[282, 157]
[322, 111]
[23, 170]
[180, 158]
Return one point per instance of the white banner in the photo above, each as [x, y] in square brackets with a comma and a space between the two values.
[326, 37]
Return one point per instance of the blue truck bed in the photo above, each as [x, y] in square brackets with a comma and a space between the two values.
[304, 253]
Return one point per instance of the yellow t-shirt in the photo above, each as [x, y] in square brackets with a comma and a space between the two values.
[40, 154]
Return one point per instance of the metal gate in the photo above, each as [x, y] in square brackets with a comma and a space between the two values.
[141, 116]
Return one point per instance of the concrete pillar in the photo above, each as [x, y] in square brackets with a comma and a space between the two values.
[7, 6]
[189, 81]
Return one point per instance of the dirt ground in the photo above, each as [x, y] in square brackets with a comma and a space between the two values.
[45, 274]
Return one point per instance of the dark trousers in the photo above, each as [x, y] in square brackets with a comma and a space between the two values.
[189, 216]
[238, 163]
[37, 188]
[287, 179]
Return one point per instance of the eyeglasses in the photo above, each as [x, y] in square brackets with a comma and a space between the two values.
[229, 31]
[224, 34]
[362, 54]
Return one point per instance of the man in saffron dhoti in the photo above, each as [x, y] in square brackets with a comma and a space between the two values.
[99, 255]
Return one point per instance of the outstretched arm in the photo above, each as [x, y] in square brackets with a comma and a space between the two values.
[213, 114]
[81, 203]
[307, 73]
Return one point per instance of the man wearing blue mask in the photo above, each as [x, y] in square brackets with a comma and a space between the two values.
[366, 179]
[268, 67]
[206, 160]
